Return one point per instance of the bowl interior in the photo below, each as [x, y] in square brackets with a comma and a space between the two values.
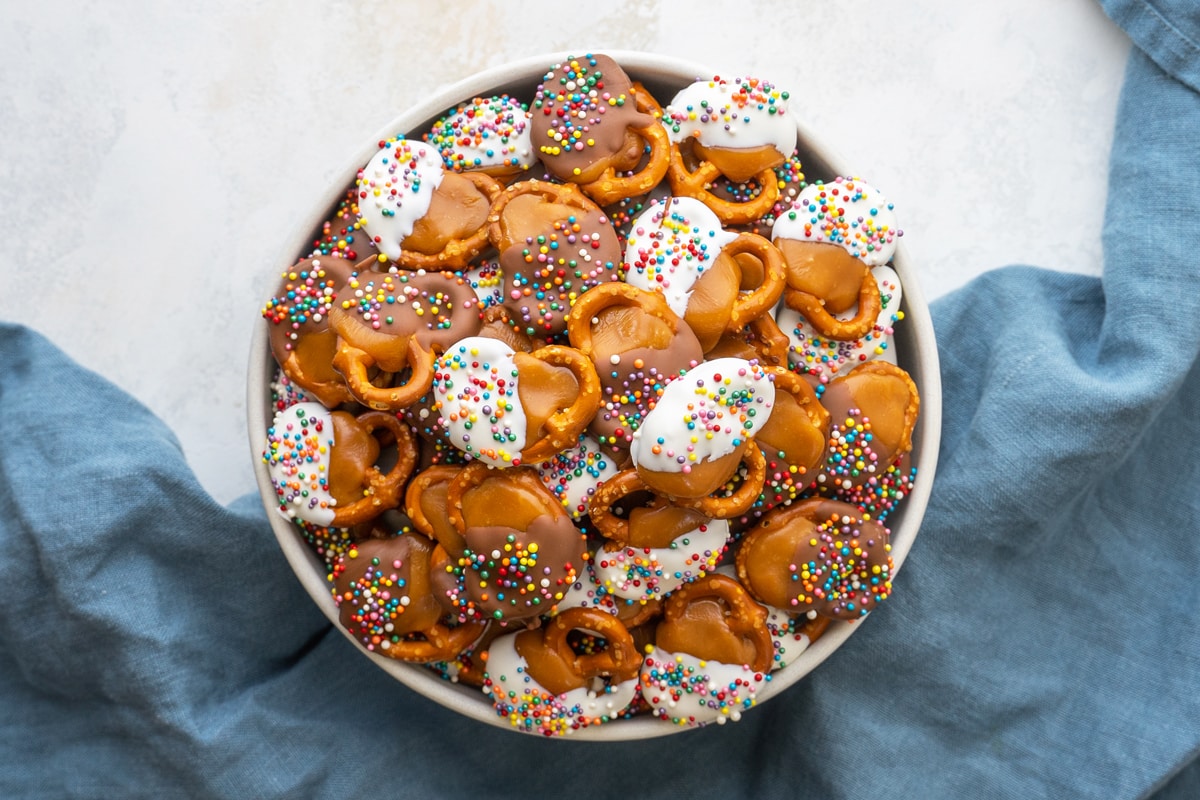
[916, 353]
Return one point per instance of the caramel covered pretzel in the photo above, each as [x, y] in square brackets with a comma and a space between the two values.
[323, 464]
[818, 555]
[830, 238]
[425, 504]
[638, 344]
[593, 126]
[387, 602]
[538, 680]
[521, 552]
[874, 408]
[505, 407]
[301, 340]
[679, 248]
[738, 130]
[713, 634]
[395, 322]
[417, 213]
[554, 244]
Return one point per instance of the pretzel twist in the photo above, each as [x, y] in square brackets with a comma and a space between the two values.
[759, 302]
[620, 660]
[614, 295]
[564, 426]
[743, 616]
[611, 186]
[354, 365]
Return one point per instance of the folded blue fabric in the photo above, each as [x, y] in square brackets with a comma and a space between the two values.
[1043, 639]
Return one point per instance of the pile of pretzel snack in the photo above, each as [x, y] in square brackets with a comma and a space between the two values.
[591, 400]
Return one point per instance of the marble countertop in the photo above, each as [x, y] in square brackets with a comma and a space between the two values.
[156, 154]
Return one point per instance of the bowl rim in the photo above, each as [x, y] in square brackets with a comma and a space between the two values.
[921, 361]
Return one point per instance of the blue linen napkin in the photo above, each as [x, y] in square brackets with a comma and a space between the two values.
[1043, 639]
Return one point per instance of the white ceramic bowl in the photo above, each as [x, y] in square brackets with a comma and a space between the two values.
[663, 76]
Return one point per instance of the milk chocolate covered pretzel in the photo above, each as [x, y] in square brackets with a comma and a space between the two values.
[638, 344]
[417, 213]
[522, 551]
[818, 555]
[554, 244]
[594, 127]
[301, 340]
[388, 603]
[396, 322]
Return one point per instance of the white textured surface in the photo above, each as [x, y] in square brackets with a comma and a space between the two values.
[155, 154]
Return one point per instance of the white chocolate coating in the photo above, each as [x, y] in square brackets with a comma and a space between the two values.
[690, 691]
[475, 388]
[669, 247]
[827, 358]
[395, 189]
[574, 475]
[518, 696]
[299, 443]
[704, 414]
[645, 573]
[485, 132]
[744, 114]
[847, 212]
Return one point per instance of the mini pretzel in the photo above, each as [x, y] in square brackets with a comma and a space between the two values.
[818, 555]
[383, 591]
[537, 680]
[874, 408]
[380, 490]
[301, 339]
[680, 248]
[554, 244]
[727, 506]
[322, 464]
[618, 660]
[507, 407]
[591, 125]
[831, 237]
[815, 311]
[793, 441]
[739, 130]
[396, 322]
[740, 627]
[761, 339]
[418, 214]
